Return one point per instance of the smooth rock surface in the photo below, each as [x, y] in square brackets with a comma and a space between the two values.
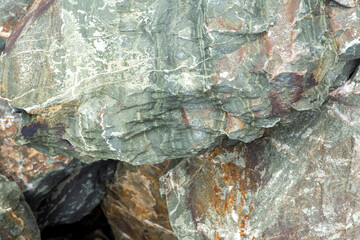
[16, 219]
[301, 181]
[133, 205]
[144, 81]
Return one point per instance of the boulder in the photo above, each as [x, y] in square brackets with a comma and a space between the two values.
[145, 81]
[301, 181]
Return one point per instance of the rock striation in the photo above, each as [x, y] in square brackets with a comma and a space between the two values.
[95, 77]
[186, 119]
[301, 181]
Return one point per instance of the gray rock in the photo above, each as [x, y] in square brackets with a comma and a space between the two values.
[67, 195]
[301, 181]
[16, 219]
[144, 81]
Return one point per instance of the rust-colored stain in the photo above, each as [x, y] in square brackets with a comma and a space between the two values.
[38, 8]
[17, 218]
[223, 24]
[229, 64]
[133, 201]
[217, 237]
[234, 124]
[225, 191]
[20, 163]
[184, 117]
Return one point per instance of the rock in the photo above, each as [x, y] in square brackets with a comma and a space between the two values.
[347, 3]
[145, 81]
[133, 205]
[11, 12]
[16, 219]
[2, 44]
[68, 195]
[22, 164]
[344, 23]
[301, 181]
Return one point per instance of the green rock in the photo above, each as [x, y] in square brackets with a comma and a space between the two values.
[145, 81]
[301, 181]
[16, 219]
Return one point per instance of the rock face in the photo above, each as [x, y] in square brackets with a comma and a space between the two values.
[68, 195]
[16, 219]
[11, 11]
[133, 205]
[95, 77]
[243, 115]
[22, 164]
[299, 182]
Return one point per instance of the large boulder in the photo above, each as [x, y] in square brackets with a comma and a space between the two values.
[143, 81]
[300, 182]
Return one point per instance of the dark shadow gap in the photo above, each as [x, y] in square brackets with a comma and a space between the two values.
[93, 226]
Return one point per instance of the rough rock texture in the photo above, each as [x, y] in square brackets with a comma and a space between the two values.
[22, 164]
[300, 182]
[11, 11]
[143, 81]
[68, 195]
[133, 205]
[16, 219]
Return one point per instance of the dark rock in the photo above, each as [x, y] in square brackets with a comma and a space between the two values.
[2, 44]
[65, 196]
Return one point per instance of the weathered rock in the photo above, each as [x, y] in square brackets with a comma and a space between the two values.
[133, 205]
[11, 11]
[143, 81]
[16, 219]
[22, 164]
[67, 195]
[300, 182]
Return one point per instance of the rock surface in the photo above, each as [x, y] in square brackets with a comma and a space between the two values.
[255, 105]
[11, 11]
[299, 182]
[68, 195]
[16, 219]
[22, 164]
[133, 205]
[144, 81]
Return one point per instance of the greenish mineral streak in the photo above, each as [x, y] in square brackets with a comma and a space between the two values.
[152, 80]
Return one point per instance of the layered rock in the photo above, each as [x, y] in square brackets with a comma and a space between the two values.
[299, 182]
[16, 219]
[143, 81]
[133, 205]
